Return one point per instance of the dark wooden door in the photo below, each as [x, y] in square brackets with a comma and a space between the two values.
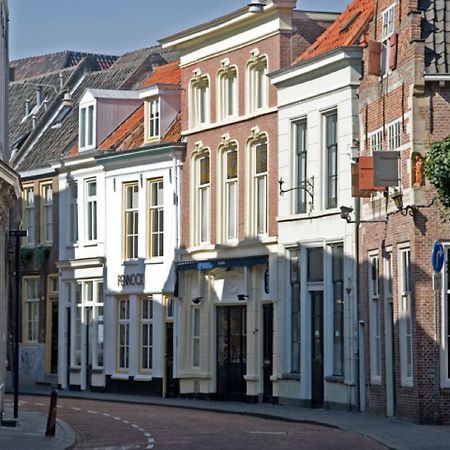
[231, 352]
[267, 352]
[171, 383]
[317, 383]
[54, 338]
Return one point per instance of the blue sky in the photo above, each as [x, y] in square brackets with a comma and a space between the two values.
[114, 26]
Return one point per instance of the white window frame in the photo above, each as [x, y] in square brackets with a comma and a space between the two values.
[227, 93]
[331, 170]
[153, 118]
[156, 218]
[46, 212]
[445, 322]
[123, 322]
[405, 316]
[87, 131]
[196, 337]
[258, 180]
[376, 140]
[387, 29]
[30, 303]
[394, 135]
[146, 328]
[77, 326]
[257, 83]
[230, 196]
[29, 215]
[199, 92]
[91, 211]
[130, 220]
[72, 189]
[87, 294]
[374, 317]
[300, 165]
[202, 202]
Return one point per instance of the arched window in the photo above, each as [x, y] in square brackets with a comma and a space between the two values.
[257, 83]
[199, 100]
[230, 203]
[202, 200]
[227, 93]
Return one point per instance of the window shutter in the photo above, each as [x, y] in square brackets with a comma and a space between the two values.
[393, 51]
[366, 175]
[374, 57]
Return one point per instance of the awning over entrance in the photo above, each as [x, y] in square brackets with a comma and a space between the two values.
[210, 264]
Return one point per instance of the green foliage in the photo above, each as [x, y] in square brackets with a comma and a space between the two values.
[26, 254]
[42, 253]
[437, 169]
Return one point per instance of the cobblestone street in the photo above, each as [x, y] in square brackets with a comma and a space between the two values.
[113, 425]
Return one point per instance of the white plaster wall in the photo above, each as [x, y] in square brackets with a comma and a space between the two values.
[310, 99]
[111, 113]
[170, 106]
[158, 276]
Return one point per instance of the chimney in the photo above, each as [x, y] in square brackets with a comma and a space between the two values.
[45, 103]
[61, 81]
[27, 107]
[38, 96]
[33, 121]
[256, 6]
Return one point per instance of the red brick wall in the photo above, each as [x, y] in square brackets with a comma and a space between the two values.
[403, 93]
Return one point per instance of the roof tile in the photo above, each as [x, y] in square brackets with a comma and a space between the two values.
[346, 30]
[166, 74]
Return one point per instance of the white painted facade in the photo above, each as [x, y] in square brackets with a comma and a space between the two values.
[308, 93]
[97, 272]
[81, 261]
[143, 276]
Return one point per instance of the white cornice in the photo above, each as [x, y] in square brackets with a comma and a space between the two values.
[82, 263]
[324, 63]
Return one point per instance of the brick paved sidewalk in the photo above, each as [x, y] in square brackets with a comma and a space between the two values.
[29, 433]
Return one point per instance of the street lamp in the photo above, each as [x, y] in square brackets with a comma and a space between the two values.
[17, 234]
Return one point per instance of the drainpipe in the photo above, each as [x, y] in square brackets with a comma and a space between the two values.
[359, 332]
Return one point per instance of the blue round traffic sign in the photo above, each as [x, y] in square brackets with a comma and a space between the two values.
[437, 256]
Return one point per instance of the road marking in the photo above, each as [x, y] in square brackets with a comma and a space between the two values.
[147, 435]
[268, 432]
[150, 446]
[75, 409]
[92, 412]
[125, 421]
[151, 440]
[134, 425]
[116, 418]
[39, 404]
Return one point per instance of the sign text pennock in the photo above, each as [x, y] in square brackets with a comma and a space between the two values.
[133, 279]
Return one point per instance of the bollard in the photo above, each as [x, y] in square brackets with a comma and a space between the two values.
[51, 421]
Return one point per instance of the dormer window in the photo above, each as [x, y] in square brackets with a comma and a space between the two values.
[86, 127]
[153, 106]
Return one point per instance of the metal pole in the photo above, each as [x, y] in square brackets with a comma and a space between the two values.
[16, 330]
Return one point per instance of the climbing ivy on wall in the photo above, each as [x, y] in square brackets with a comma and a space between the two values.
[437, 170]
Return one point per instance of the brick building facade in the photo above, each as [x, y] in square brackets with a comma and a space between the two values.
[228, 301]
[404, 108]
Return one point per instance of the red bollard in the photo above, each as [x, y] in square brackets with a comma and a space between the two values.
[51, 421]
